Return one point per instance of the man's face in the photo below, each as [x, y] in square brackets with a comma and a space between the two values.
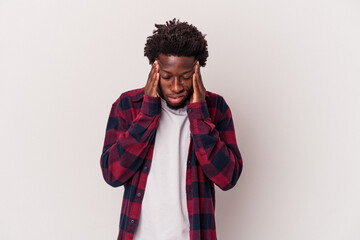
[176, 79]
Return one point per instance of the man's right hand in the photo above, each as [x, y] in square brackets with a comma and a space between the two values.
[153, 80]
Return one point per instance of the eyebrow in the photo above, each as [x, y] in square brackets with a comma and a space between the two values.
[171, 73]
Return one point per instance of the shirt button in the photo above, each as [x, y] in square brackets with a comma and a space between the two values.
[139, 194]
[132, 221]
[145, 167]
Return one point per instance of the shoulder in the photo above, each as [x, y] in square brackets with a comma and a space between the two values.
[130, 97]
[209, 94]
[128, 104]
[216, 101]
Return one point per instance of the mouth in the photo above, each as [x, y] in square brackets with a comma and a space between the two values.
[175, 100]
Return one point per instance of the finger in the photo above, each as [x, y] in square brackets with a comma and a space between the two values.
[195, 81]
[153, 66]
[151, 73]
[201, 84]
[156, 71]
[149, 81]
[155, 80]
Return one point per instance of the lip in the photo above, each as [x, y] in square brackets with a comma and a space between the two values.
[175, 100]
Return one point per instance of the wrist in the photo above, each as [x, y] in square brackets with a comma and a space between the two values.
[151, 105]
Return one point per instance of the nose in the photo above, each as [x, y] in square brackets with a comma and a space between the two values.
[177, 86]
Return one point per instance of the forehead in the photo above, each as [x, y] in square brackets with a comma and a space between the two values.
[172, 62]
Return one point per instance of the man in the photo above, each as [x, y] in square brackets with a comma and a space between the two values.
[169, 142]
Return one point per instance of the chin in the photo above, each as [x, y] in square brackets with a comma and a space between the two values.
[179, 105]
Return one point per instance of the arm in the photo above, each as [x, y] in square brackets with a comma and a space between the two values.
[215, 146]
[125, 148]
[127, 143]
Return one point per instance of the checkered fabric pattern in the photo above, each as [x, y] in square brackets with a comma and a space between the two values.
[213, 157]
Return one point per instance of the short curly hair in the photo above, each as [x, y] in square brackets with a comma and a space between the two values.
[178, 39]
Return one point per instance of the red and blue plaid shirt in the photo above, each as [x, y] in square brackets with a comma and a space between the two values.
[213, 157]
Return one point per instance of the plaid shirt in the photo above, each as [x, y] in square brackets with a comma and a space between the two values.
[213, 157]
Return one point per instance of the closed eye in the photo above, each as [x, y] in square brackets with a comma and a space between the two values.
[188, 76]
[165, 77]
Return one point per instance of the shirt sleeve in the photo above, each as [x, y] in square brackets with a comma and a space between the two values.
[215, 145]
[126, 145]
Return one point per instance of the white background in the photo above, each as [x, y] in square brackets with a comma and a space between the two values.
[289, 71]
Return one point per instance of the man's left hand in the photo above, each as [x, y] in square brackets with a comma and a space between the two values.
[198, 86]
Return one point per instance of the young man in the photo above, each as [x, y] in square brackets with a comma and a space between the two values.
[169, 142]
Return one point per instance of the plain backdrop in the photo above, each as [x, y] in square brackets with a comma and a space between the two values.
[289, 71]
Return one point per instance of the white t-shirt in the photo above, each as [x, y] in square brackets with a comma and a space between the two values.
[164, 214]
